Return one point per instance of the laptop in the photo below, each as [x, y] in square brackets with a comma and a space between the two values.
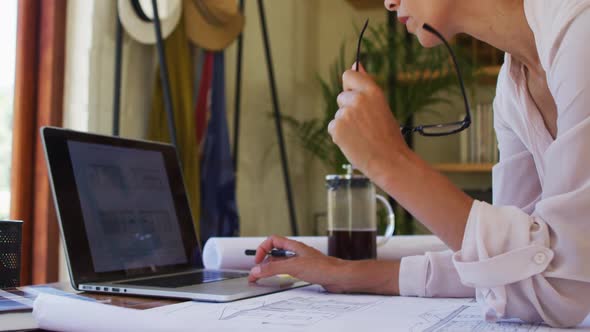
[126, 223]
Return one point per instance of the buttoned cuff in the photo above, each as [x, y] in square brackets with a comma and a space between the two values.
[521, 253]
[413, 272]
[501, 246]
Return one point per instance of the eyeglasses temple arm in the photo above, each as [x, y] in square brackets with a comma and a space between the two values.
[430, 29]
[358, 46]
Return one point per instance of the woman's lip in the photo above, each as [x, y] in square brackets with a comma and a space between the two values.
[403, 19]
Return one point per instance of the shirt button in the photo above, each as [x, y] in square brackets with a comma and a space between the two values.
[540, 258]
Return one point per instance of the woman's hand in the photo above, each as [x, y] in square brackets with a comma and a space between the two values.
[364, 127]
[309, 265]
[335, 275]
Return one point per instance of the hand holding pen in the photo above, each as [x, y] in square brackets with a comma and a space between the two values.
[273, 253]
[308, 264]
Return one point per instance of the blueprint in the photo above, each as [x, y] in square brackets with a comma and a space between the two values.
[312, 309]
[298, 309]
[295, 312]
[466, 318]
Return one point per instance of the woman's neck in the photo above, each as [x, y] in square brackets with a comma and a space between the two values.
[502, 24]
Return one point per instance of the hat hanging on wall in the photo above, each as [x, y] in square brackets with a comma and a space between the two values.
[212, 24]
[137, 18]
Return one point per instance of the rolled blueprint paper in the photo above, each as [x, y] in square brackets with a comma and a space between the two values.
[228, 253]
[58, 313]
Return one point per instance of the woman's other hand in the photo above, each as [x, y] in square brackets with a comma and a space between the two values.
[309, 265]
[364, 127]
[335, 275]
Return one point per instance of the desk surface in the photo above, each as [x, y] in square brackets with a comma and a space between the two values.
[24, 320]
[409, 312]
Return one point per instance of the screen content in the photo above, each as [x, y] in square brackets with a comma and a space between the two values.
[127, 206]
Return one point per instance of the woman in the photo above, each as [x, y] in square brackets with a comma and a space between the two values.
[526, 256]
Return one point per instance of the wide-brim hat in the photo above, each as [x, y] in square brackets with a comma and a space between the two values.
[136, 19]
[212, 24]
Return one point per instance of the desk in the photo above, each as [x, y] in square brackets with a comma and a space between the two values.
[24, 320]
[303, 309]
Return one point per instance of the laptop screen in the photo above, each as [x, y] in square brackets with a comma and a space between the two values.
[122, 206]
[127, 207]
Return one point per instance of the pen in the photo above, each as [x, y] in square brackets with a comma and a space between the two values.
[273, 253]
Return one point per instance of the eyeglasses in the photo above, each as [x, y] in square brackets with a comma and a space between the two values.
[444, 129]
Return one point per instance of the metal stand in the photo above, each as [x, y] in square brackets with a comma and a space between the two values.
[169, 106]
[164, 77]
[118, 63]
[276, 112]
[404, 222]
[163, 74]
[238, 98]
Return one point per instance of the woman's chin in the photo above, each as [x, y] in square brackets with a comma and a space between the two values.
[426, 39]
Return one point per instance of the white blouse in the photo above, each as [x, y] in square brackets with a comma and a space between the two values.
[528, 255]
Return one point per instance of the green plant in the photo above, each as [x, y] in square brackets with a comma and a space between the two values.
[423, 85]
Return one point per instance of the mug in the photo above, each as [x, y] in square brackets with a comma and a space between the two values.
[352, 216]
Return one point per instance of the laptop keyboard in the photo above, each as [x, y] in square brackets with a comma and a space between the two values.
[182, 280]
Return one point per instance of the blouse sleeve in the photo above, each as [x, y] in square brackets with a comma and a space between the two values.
[434, 274]
[431, 275]
[532, 261]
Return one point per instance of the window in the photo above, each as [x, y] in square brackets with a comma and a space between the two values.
[8, 16]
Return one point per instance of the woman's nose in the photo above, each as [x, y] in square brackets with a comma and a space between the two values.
[392, 5]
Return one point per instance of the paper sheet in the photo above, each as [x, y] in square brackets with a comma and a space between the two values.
[312, 309]
[304, 309]
[57, 313]
[228, 253]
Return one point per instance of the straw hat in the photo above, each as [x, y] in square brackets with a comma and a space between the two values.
[137, 18]
[212, 24]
